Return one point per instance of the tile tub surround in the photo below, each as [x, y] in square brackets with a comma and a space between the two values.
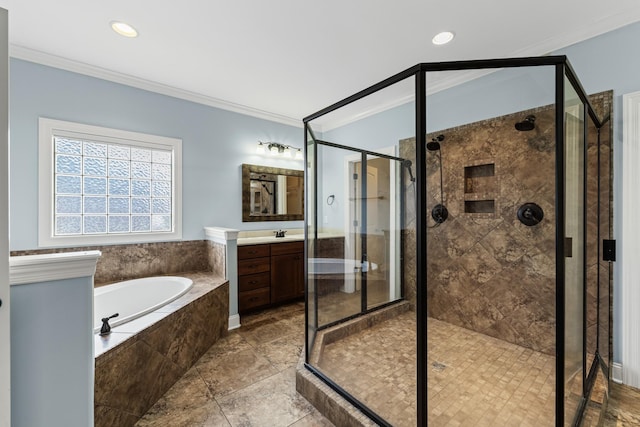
[486, 271]
[124, 262]
[134, 369]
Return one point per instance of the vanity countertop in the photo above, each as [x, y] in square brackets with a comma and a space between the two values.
[262, 237]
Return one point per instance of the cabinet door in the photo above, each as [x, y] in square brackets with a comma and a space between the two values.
[287, 277]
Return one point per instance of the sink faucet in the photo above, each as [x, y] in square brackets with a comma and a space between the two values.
[280, 233]
[106, 328]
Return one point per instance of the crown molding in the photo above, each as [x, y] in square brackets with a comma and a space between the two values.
[48, 267]
[38, 57]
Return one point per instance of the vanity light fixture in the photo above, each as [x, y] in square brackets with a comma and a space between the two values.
[124, 29]
[277, 149]
[442, 38]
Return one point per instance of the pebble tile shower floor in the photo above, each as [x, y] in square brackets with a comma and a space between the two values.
[475, 380]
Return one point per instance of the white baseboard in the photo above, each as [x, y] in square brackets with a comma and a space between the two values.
[616, 372]
[234, 322]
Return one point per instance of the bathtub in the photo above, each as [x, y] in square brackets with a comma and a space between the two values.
[331, 274]
[134, 298]
[338, 266]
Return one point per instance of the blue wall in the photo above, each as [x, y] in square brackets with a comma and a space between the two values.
[215, 143]
[52, 353]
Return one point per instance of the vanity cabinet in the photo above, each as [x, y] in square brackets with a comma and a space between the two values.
[269, 274]
[287, 271]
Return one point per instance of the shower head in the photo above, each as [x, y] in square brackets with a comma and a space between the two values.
[407, 164]
[527, 124]
[434, 144]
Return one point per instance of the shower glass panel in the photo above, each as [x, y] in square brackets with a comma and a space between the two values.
[490, 276]
[356, 270]
[574, 155]
[336, 267]
[310, 180]
[593, 248]
[605, 232]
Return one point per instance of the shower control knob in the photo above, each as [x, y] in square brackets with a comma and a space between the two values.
[530, 214]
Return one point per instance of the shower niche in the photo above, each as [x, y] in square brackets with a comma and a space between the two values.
[480, 188]
[497, 314]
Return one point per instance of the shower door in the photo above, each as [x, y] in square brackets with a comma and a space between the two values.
[374, 214]
[574, 251]
[354, 239]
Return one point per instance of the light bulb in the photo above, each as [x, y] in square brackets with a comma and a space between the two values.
[260, 148]
[273, 149]
[299, 155]
[442, 38]
[124, 29]
[287, 152]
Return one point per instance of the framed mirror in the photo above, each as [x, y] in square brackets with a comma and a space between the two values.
[272, 194]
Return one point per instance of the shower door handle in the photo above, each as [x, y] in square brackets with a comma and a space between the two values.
[568, 247]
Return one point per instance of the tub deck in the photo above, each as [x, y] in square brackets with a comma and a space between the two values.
[203, 282]
[140, 360]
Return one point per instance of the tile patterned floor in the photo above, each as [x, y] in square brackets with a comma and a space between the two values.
[248, 379]
[624, 407]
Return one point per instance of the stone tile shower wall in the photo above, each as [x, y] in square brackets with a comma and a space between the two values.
[486, 271]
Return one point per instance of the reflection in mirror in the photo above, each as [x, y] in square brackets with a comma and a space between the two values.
[272, 194]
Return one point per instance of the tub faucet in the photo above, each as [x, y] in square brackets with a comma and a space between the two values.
[106, 329]
[280, 233]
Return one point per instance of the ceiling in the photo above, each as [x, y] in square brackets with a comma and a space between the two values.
[285, 59]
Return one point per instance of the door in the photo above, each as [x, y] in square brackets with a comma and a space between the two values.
[5, 367]
[574, 224]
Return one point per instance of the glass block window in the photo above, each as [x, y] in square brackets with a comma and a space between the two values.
[104, 186]
[107, 188]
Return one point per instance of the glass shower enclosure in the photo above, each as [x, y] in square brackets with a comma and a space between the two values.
[454, 263]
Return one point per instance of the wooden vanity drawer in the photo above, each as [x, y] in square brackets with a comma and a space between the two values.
[287, 248]
[254, 281]
[253, 251]
[254, 298]
[253, 266]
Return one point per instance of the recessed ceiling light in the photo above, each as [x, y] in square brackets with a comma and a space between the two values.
[442, 38]
[123, 29]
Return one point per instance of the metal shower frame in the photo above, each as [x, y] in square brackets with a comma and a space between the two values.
[418, 72]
